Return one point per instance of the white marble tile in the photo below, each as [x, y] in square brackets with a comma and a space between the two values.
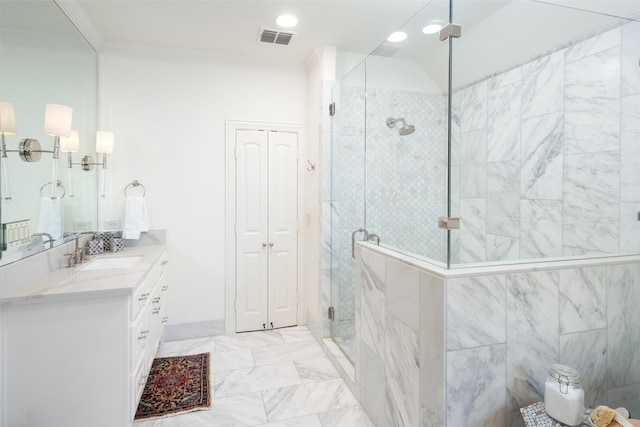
[503, 189]
[532, 334]
[306, 421]
[348, 368]
[230, 360]
[372, 306]
[590, 205]
[473, 164]
[473, 110]
[504, 79]
[402, 371]
[502, 248]
[476, 393]
[630, 149]
[312, 370]
[288, 352]
[296, 333]
[504, 226]
[305, 399]
[372, 385]
[332, 347]
[186, 347]
[432, 357]
[353, 416]
[148, 423]
[476, 313]
[236, 411]
[593, 45]
[623, 334]
[247, 340]
[586, 352]
[630, 49]
[540, 228]
[592, 103]
[259, 378]
[582, 295]
[629, 228]
[473, 230]
[543, 85]
[541, 171]
[503, 130]
[402, 284]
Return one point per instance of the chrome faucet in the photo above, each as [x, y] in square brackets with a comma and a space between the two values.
[50, 241]
[78, 255]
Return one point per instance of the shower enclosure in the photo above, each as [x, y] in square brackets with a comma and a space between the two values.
[526, 128]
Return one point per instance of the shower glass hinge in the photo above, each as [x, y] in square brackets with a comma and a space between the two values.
[448, 223]
[450, 30]
[332, 109]
[332, 313]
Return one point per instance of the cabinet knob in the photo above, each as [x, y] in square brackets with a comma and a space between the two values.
[270, 244]
[264, 245]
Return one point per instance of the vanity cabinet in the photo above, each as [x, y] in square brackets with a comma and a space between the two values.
[82, 358]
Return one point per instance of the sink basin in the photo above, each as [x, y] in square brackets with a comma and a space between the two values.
[111, 263]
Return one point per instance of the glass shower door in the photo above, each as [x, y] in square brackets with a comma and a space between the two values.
[347, 201]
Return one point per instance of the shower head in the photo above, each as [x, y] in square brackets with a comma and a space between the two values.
[405, 129]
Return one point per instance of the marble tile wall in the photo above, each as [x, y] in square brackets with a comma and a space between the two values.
[482, 345]
[550, 149]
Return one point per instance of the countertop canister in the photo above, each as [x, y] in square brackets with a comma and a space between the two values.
[563, 395]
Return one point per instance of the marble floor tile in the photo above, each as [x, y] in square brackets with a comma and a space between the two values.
[229, 360]
[249, 380]
[247, 340]
[305, 399]
[295, 334]
[313, 370]
[288, 352]
[307, 421]
[185, 347]
[353, 416]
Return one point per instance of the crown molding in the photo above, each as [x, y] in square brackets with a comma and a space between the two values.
[81, 21]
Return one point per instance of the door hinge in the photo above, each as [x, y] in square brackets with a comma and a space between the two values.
[332, 109]
[235, 228]
[332, 313]
[448, 223]
[450, 30]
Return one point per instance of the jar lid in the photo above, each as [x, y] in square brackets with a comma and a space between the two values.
[564, 374]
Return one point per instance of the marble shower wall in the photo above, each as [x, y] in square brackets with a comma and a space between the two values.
[545, 159]
[493, 337]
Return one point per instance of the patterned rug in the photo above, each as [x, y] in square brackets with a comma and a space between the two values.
[176, 385]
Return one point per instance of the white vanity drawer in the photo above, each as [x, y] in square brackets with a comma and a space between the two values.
[138, 380]
[143, 294]
[139, 340]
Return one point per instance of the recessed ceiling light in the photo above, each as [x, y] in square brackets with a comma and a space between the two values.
[432, 28]
[286, 21]
[396, 37]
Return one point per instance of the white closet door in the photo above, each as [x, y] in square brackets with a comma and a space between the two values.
[283, 229]
[251, 229]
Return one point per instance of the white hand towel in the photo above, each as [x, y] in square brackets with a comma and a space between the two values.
[51, 217]
[135, 218]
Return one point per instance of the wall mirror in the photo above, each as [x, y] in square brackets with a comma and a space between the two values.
[45, 60]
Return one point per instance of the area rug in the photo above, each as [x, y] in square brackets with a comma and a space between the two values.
[176, 385]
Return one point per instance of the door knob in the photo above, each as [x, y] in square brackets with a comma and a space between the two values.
[264, 245]
[270, 244]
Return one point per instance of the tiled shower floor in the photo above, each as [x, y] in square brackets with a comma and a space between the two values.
[278, 378]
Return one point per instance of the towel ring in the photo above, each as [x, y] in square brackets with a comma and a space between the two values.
[64, 191]
[135, 183]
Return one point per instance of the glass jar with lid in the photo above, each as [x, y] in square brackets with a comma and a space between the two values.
[563, 395]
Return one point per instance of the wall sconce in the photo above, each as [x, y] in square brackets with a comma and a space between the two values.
[57, 123]
[104, 146]
[7, 127]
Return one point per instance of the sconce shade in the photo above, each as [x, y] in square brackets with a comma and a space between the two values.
[7, 118]
[57, 120]
[70, 144]
[104, 142]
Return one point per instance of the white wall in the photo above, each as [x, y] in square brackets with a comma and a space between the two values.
[168, 112]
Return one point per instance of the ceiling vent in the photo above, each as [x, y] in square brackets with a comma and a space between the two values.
[386, 51]
[272, 36]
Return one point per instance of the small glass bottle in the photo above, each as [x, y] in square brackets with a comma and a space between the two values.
[563, 395]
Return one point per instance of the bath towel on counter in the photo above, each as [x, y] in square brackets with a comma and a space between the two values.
[50, 220]
[135, 218]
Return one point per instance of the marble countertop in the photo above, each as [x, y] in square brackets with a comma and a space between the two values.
[65, 283]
